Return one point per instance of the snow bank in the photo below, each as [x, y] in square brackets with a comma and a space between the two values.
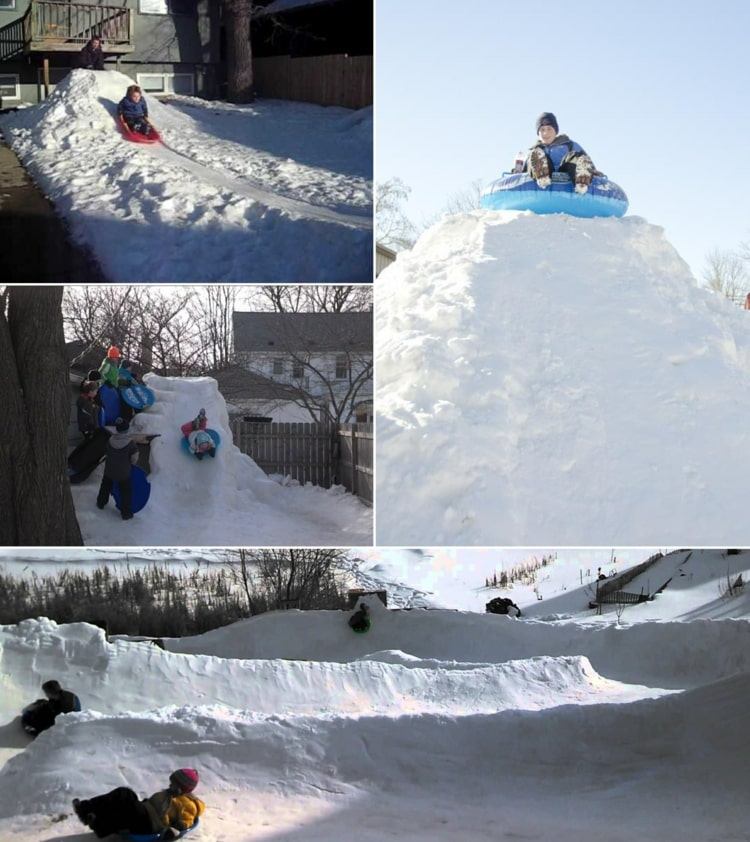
[671, 655]
[521, 769]
[559, 381]
[228, 499]
[227, 197]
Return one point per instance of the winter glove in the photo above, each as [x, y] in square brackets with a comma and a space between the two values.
[171, 833]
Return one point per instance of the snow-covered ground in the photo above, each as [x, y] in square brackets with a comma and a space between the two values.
[437, 724]
[271, 192]
[546, 379]
[227, 500]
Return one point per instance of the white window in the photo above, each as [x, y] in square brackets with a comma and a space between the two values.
[10, 87]
[342, 367]
[298, 370]
[278, 366]
[7, 4]
[167, 83]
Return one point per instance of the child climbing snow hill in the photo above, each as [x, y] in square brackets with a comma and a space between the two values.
[41, 714]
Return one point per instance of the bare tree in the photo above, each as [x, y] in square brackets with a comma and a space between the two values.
[393, 228]
[35, 499]
[462, 201]
[726, 274]
[301, 578]
[312, 298]
[213, 310]
[237, 15]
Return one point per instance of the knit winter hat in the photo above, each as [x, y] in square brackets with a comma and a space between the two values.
[185, 779]
[547, 119]
[113, 353]
[121, 425]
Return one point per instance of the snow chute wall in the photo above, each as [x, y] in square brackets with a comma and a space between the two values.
[518, 191]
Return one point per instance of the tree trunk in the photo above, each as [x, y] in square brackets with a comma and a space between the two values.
[237, 15]
[35, 498]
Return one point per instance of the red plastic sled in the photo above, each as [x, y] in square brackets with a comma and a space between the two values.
[137, 137]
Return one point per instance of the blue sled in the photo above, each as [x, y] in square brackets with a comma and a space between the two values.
[110, 411]
[140, 490]
[155, 837]
[137, 396]
[518, 191]
[185, 444]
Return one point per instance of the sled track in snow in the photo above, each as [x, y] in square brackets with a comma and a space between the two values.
[257, 193]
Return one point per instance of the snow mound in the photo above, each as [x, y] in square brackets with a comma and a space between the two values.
[227, 499]
[552, 380]
[273, 193]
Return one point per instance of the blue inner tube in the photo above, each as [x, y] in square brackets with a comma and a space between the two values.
[518, 191]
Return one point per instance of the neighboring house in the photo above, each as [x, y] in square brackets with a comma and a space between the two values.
[166, 46]
[383, 257]
[252, 397]
[316, 50]
[318, 360]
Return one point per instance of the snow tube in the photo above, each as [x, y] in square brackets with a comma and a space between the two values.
[140, 489]
[518, 191]
[136, 137]
[109, 398]
[155, 837]
[185, 444]
[137, 396]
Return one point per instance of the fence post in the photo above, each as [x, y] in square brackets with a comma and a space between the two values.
[355, 459]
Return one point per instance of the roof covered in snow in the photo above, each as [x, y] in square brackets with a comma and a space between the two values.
[236, 383]
[295, 331]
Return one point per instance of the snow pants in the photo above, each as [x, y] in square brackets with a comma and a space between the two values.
[118, 810]
[126, 495]
[140, 126]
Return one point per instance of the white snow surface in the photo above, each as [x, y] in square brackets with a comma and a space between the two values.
[270, 192]
[552, 380]
[227, 500]
[436, 724]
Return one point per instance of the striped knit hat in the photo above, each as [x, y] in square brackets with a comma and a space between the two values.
[185, 779]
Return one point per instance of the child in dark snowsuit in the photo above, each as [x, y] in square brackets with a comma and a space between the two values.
[87, 409]
[555, 152]
[91, 56]
[122, 453]
[168, 812]
[40, 715]
[133, 111]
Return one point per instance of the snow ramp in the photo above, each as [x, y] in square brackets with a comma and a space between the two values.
[168, 213]
[227, 500]
[546, 380]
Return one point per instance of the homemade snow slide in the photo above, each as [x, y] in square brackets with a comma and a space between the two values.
[557, 381]
[544, 746]
[229, 502]
[280, 190]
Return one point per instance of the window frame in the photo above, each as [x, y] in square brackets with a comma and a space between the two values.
[165, 76]
[16, 85]
[11, 8]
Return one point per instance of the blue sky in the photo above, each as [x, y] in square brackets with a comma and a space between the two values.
[656, 92]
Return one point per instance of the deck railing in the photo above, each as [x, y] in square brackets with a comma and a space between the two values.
[65, 27]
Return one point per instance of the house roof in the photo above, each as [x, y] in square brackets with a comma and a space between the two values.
[302, 331]
[236, 383]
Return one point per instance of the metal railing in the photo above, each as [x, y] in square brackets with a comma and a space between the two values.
[55, 26]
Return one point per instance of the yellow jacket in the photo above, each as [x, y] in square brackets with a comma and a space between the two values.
[183, 811]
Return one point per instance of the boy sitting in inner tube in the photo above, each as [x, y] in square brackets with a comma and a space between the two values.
[555, 152]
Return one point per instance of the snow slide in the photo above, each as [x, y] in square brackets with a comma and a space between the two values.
[227, 500]
[545, 380]
[537, 749]
[225, 198]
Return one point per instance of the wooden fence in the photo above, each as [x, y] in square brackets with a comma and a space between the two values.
[326, 80]
[316, 453]
[355, 462]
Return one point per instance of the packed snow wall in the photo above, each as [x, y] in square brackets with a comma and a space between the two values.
[547, 380]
